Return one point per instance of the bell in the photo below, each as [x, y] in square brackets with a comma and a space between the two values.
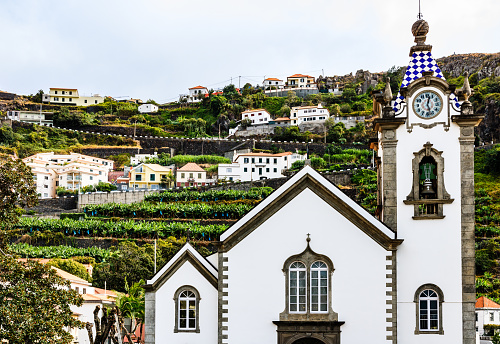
[428, 190]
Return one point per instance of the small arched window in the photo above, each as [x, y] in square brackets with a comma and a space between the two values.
[187, 310]
[297, 288]
[429, 310]
[319, 287]
[429, 299]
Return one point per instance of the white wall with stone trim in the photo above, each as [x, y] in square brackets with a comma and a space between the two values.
[431, 251]
[187, 274]
[256, 283]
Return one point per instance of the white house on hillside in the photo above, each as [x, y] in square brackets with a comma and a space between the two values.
[35, 117]
[148, 108]
[191, 174]
[72, 171]
[257, 116]
[257, 166]
[196, 94]
[300, 114]
[487, 312]
[273, 82]
[300, 80]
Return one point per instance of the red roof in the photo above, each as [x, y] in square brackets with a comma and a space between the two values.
[484, 302]
[197, 87]
[282, 119]
[191, 167]
[62, 88]
[274, 79]
[301, 76]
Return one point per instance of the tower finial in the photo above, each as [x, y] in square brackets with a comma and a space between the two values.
[420, 15]
[308, 238]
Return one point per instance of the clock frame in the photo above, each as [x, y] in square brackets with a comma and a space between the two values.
[438, 111]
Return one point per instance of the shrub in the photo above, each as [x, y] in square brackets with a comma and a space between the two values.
[71, 266]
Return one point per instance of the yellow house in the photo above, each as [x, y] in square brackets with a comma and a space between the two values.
[149, 176]
[70, 96]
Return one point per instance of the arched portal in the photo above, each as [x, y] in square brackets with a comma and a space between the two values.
[308, 340]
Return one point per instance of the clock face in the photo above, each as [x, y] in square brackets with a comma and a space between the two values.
[427, 104]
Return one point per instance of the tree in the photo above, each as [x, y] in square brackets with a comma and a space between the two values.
[71, 266]
[35, 303]
[37, 98]
[132, 304]
[127, 262]
[17, 190]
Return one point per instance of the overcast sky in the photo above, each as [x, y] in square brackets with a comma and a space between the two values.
[159, 48]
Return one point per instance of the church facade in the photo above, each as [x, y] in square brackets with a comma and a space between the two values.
[309, 265]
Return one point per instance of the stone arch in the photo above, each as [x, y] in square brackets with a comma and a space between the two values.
[304, 339]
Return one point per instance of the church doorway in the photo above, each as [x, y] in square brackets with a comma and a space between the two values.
[308, 340]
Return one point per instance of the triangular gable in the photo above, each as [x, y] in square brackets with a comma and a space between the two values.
[186, 254]
[421, 61]
[309, 178]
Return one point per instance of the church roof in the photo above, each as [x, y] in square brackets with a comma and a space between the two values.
[484, 302]
[186, 254]
[309, 178]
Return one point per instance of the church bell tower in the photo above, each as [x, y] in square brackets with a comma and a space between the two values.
[426, 194]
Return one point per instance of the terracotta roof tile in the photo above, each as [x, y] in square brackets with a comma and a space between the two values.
[484, 302]
[274, 79]
[300, 76]
[197, 87]
[191, 167]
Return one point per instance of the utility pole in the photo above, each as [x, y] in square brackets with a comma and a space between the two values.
[239, 82]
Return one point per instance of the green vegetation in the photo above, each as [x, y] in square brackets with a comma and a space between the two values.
[209, 196]
[27, 140]
[212, 210]
[71, 266]
[366, 187]
[61, 251]
[119, 229]
[164, 159]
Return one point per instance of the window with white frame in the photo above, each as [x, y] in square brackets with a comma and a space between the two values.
[428, 302]
[308, 289]
[187, 313]
[319, 287]
[298, 288]
[429, 299]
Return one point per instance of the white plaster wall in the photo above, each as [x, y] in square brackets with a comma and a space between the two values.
[256, 283]
[165, 309]
[431, 251]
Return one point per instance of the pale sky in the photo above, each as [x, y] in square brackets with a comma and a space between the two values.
[159, 48]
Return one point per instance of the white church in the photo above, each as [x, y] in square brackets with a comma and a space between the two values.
[310, 266]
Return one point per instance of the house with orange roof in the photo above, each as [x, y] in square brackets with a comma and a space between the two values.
[257, 166]
[191, 174]
[196, 94]
[273, 82]
[487, 313]
[256, 116]
[300, 80]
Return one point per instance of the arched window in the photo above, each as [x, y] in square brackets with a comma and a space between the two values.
[428, 193]
[187, 310]
[308, 290]
[319, 287]
[429, 299]
[297, 288]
